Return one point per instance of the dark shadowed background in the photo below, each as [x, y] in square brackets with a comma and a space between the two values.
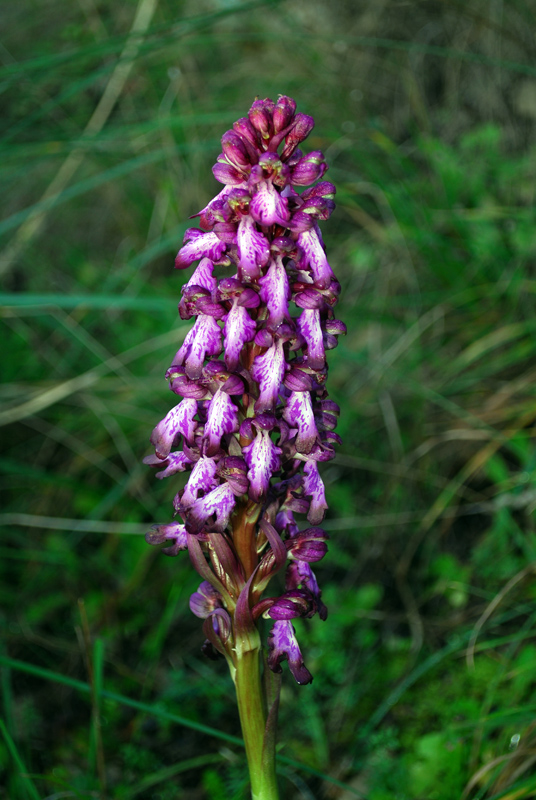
[425, 671]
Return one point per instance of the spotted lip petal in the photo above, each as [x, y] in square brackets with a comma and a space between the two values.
[268, 370]
[175, 462]
[315, 257]
[199, 244]
[262, 458]
[201, 480]
[309, 325]
[203, 340]
[314, 486]
[238, 330]
[218, 503]
[283, 645]
[253, 249]
[275, 293]
[179, 420]
[268, 207]
[299, 414]
[222, 418]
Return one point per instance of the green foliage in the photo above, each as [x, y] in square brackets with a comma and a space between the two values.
[425, 669]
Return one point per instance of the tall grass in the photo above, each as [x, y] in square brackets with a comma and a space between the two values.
[425, 670]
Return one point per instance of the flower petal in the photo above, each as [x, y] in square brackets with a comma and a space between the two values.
[268, 207]
[205, 600]
[268, 370]
[315, 257]
[239, 328]
[180, 419]
[175, 462]
[219, 502]
[314, 486]
[253, 248]
[282, 644]
[222, 417]
[200, 245]
[299, 414]
[310, 328]
[275, 293]
[202, 480]
[262, 458]
[203, 340]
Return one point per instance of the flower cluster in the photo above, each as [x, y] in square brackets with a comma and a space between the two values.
[255, 419]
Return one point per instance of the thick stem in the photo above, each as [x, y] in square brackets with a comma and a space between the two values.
[253, 715]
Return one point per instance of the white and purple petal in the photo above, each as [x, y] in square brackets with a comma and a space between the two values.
[238, 330]
[202, 276]
[202, 480]
[309, 325]
[282, 644]
[268, 207]
[219, 503]
[268, 370]
[262, 458]
[275, 293]
[315, 257]
[205, 600]
[204, 339]
[253, 248]
[313, 485]
[175, 462]
[180, 419]
[172, 532]
[222, 417]
[199, 244]
[299, 414]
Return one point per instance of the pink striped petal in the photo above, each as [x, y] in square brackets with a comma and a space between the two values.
[262, 458]
[204, 339]
[219, 503]
[268, 370]
[239, 328]
[268, 207]
[179, 419]
[314, 486]
[299, 414]
[203, 276]
[315, 257]
[222, 417]
[253, 248]
[202, 480]
[175, 462]
[310, 328]
[275, 293]
[199, 244]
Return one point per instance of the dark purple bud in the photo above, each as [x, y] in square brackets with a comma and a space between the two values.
[260, 116]
[291, 605]
[303, 125]
[235, 151]
[283, 113]
[225, 173]
[248, 134]
[309, 169]
[323, 189]
[309, 545]
[179, 383]
[233, 469]
[264, 338]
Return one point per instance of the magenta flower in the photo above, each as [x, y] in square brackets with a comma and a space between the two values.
[255, 419]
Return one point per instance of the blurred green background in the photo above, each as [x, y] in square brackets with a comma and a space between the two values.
[425, 672]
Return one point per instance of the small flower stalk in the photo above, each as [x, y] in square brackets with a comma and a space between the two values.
[253, 419]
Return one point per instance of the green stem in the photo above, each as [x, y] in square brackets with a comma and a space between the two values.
[260, 750]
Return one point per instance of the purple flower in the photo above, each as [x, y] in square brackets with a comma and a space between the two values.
[256, 419]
